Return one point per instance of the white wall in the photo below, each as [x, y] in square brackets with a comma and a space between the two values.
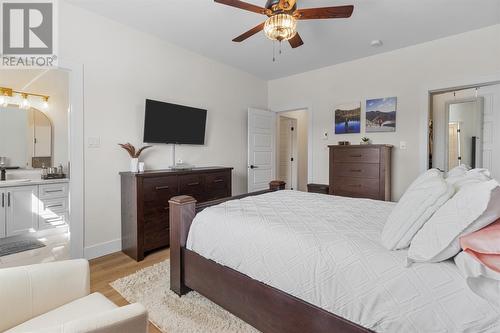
[302, 142]
[123, 67]
[406, 73]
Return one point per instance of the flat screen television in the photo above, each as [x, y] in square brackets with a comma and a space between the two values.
[172, 123]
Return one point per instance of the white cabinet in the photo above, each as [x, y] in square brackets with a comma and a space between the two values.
[53, 206]
[25, 209]
[21, 212]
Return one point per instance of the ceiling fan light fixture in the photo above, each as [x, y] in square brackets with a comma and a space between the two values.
[280, 27]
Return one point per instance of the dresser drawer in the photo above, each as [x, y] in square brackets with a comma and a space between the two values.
[156, 236]
[160, 189]
[217, 185]
[50, 220]
[356, 187]
[193, 185]
[357, 170]
[356, 155]
[53, 205]
[52, 191]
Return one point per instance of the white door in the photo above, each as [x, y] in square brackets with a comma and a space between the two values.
[261, 149]
[3, 203]
[22, 210]
[287, 152]
[491, 135]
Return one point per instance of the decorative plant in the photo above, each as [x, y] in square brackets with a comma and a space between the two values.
[132, 151]
[365, 139]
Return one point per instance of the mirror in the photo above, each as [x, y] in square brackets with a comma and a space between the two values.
[464, 131]
[25, 137]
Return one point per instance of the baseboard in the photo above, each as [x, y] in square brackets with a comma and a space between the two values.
[102, 249]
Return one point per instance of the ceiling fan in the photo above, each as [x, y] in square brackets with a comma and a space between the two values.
[281, 24]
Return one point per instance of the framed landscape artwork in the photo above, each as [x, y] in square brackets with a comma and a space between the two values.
[347, 118]
[381, 115]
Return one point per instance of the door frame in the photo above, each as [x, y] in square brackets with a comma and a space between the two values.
[76, 156]
[308, 109]
[294, 172]
[427, 90]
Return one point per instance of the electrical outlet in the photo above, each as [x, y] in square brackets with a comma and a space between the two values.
[325, 135]
[402, 145]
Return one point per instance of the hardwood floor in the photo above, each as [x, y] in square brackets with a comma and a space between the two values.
[109, 268]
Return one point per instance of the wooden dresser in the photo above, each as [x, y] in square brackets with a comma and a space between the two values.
[145, 208]
[361, 171]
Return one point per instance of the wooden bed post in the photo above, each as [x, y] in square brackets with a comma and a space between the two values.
[182, 212]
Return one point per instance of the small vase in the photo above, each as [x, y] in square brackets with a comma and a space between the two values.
[134, 165]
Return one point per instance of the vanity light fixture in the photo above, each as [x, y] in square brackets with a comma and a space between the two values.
[5, 94]
[25, 104]
[45, 104]
[9, 96]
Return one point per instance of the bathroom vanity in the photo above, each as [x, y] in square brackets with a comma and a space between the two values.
[28, 206]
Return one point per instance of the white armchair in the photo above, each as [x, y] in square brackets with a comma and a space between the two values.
[55, 297]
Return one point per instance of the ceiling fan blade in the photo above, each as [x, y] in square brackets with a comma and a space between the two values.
[244, 5]
[296, 41]
[249, 33]
[324, 13]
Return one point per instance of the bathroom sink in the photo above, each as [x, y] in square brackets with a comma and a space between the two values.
[14, 181]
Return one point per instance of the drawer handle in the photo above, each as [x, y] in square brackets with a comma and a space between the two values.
[218, 180]
[161, 188]
[356, 155]
[53, 191]
[356, 170]
[54, 206]
[193, 184]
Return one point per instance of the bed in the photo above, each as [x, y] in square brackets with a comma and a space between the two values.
[288, 261]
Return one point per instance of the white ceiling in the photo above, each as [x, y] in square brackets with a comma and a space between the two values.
[207, 28]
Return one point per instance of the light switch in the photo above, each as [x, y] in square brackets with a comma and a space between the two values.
[94, 142]
[325, 135]
[402, 145]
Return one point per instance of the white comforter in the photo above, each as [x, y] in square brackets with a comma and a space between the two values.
[326, 250]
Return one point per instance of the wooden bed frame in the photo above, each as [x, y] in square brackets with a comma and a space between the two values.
[264, 307]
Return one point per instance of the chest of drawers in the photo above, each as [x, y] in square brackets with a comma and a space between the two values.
[145, 208]
[361, 171]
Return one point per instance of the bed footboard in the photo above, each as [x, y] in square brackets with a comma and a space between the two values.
[182, 212]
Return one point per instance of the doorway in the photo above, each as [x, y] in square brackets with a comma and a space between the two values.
[292, 148]
[461, 128]
[287, 152]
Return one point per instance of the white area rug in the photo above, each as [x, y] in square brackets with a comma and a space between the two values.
[191, 313]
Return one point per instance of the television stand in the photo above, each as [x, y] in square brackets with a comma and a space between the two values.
[178, 166]
[144, 202]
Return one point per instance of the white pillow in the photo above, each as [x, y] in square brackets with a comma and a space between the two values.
[424, 197]
[457, 171]
[481, 280]
[474, 207]
[459, 177]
